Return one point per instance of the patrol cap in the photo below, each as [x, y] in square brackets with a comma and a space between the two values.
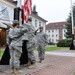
[29, 18]
[15, 22]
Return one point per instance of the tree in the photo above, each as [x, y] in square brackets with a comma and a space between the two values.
[69, 28]
[69, 25]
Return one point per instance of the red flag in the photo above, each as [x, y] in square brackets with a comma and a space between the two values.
[27, 9]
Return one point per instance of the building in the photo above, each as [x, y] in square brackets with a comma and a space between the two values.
[56, 31]
[6, 11]
[7, 15]
[37, 21]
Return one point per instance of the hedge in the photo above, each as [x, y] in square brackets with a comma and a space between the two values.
[64, 43]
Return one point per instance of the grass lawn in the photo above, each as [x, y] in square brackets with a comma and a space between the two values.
[48, 48]
[1, 53]
[54, 47]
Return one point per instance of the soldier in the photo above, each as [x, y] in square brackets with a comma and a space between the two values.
[41, 43]
[74, 42]
[15, 46]
[31, 45]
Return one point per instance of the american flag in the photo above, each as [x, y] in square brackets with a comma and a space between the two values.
[27, 9]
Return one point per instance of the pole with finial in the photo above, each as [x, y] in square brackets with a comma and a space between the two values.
[17, 11]
[72, 44]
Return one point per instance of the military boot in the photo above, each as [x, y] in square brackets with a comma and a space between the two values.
[41, 60]
[17, 71]
[28, 64]
[32, 66]
[12, 70]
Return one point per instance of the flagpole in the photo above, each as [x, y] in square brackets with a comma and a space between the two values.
[72, 45]
[72, 18]
[24, 58]
[19, 4]
[17, 11]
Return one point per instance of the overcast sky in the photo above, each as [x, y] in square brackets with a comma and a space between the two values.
[53, 10]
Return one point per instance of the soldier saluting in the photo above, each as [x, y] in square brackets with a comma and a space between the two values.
[41, 43]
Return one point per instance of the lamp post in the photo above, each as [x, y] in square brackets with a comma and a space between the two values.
[0, 39]
[0, 43]
[0, 47]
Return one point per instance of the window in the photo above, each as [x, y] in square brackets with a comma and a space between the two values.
[49, 40]
[5, 13]
[56, 35]
[48, 35]
[49, 31]
[64, 30]
[39, 24]
[35, 23]
[52, 40]
[52, 30]
[52, 35]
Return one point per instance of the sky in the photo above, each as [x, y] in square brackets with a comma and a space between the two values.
[53, 10]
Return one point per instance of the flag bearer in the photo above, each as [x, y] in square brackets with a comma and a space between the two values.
[15, 46]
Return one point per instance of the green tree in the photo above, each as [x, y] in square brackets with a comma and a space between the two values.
[69, 28]
[69, 25]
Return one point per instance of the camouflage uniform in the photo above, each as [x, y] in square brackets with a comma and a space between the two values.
[74, 43]
[41, 43]
[15, 45]
[30, 44]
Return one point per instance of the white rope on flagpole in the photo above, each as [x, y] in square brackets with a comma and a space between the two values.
[72, 18]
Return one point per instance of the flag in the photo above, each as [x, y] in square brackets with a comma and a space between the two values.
[27, 9]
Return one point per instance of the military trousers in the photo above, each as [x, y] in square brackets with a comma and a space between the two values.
[31, 55]
[14, 58]
[41, 51]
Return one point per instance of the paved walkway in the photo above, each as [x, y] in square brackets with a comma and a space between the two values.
[61, 53]
[56, 63]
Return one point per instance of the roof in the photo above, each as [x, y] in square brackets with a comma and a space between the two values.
[36, 16]
[10, 1]
[56, 25]
[2, 25]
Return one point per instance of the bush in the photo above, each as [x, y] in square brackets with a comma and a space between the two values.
[64, 43]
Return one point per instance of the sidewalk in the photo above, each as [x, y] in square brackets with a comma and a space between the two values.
[56, 63]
